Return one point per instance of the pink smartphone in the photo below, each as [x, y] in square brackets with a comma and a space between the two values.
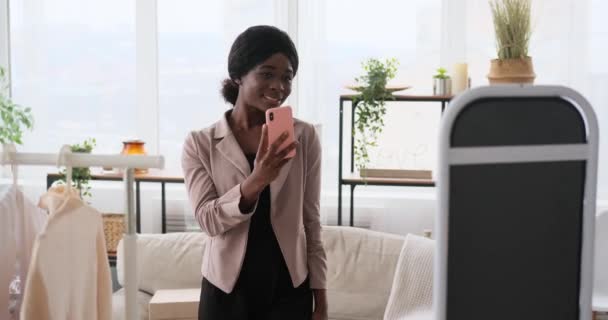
[279, 120]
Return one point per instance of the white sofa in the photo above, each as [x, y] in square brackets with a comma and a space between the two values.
[361, 266]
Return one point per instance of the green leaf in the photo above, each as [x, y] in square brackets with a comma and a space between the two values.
[370, 105]
[15, 118]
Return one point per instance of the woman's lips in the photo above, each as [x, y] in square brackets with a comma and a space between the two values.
[272, 100]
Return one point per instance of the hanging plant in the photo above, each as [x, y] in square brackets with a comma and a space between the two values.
[370, 111]
[15, 118]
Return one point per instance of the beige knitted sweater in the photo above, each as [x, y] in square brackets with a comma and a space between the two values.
[69, 276]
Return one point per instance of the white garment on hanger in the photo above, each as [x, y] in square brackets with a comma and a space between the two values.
[20, 222]
[69, 276]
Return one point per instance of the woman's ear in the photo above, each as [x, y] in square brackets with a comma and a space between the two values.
[237, 81]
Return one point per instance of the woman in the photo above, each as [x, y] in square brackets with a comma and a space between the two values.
[265, 258]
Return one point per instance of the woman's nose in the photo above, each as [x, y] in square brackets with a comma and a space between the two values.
[277, 85]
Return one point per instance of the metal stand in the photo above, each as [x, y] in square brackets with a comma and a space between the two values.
[130, 248]
[516, 189]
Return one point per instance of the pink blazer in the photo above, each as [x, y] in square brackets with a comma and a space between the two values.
[214, 167]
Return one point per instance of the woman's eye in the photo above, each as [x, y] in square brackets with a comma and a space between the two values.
[288, 78]
[266, 75]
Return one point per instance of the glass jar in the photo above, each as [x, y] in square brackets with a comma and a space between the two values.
[134, 147]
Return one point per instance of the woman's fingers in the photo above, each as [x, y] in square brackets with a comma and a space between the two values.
[282, 163]
[283, 153]
[263, 142]
[277, 143]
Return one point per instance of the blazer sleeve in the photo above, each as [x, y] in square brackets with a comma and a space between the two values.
[215, 214]
[317, 260]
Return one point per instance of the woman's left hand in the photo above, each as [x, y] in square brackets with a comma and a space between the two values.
[320, 312]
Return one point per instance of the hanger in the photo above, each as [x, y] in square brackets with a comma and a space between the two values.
[64, 158]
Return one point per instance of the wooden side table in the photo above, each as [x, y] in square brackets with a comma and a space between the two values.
[175, 304]
[152, 176]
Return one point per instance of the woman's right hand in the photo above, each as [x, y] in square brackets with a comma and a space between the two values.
[268, 164]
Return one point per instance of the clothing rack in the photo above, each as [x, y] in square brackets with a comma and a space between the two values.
[68, 159]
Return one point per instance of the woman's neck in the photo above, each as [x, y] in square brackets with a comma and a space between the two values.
[244, 117]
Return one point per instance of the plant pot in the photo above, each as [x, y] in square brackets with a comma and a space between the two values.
[511, 71]
[442, 87]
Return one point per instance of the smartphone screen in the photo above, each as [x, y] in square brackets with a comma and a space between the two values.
[279, 120]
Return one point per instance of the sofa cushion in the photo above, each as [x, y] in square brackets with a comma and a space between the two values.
[361, 264]
[118, 305]
[166, 261]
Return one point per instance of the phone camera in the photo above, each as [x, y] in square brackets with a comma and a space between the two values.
[271, 116]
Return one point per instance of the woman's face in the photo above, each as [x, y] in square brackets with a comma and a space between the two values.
[268, 84]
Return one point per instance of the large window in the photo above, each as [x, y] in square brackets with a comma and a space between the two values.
[597, 82]
[568, 47]
[345, 34]
[73, 63]
[194, 39]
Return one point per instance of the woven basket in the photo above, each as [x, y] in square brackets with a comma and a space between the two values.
[113, 228]
[511, 71]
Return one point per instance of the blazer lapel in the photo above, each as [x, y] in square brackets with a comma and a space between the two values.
[229, 148]
[278, 182]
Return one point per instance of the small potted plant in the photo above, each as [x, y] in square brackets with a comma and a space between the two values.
[512, 27]
[442, 83]
[81, 176]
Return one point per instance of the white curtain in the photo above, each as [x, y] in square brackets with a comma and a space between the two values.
[569, 46]
[75, 67]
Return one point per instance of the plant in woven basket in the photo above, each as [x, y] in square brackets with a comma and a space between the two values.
[370, 111]
[15, 118]
[81, 176]
[512, 28]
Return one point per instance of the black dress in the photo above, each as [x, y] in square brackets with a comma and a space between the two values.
[264, 289]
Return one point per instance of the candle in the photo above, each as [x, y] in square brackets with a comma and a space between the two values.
[459, 78]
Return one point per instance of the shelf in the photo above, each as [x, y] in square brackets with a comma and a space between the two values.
[153, 175]
[356, 179]
[402, 97]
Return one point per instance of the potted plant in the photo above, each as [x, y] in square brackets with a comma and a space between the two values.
[512, 27]
[81, 176]
[442, 83]
[369, 115]
[14, 118]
